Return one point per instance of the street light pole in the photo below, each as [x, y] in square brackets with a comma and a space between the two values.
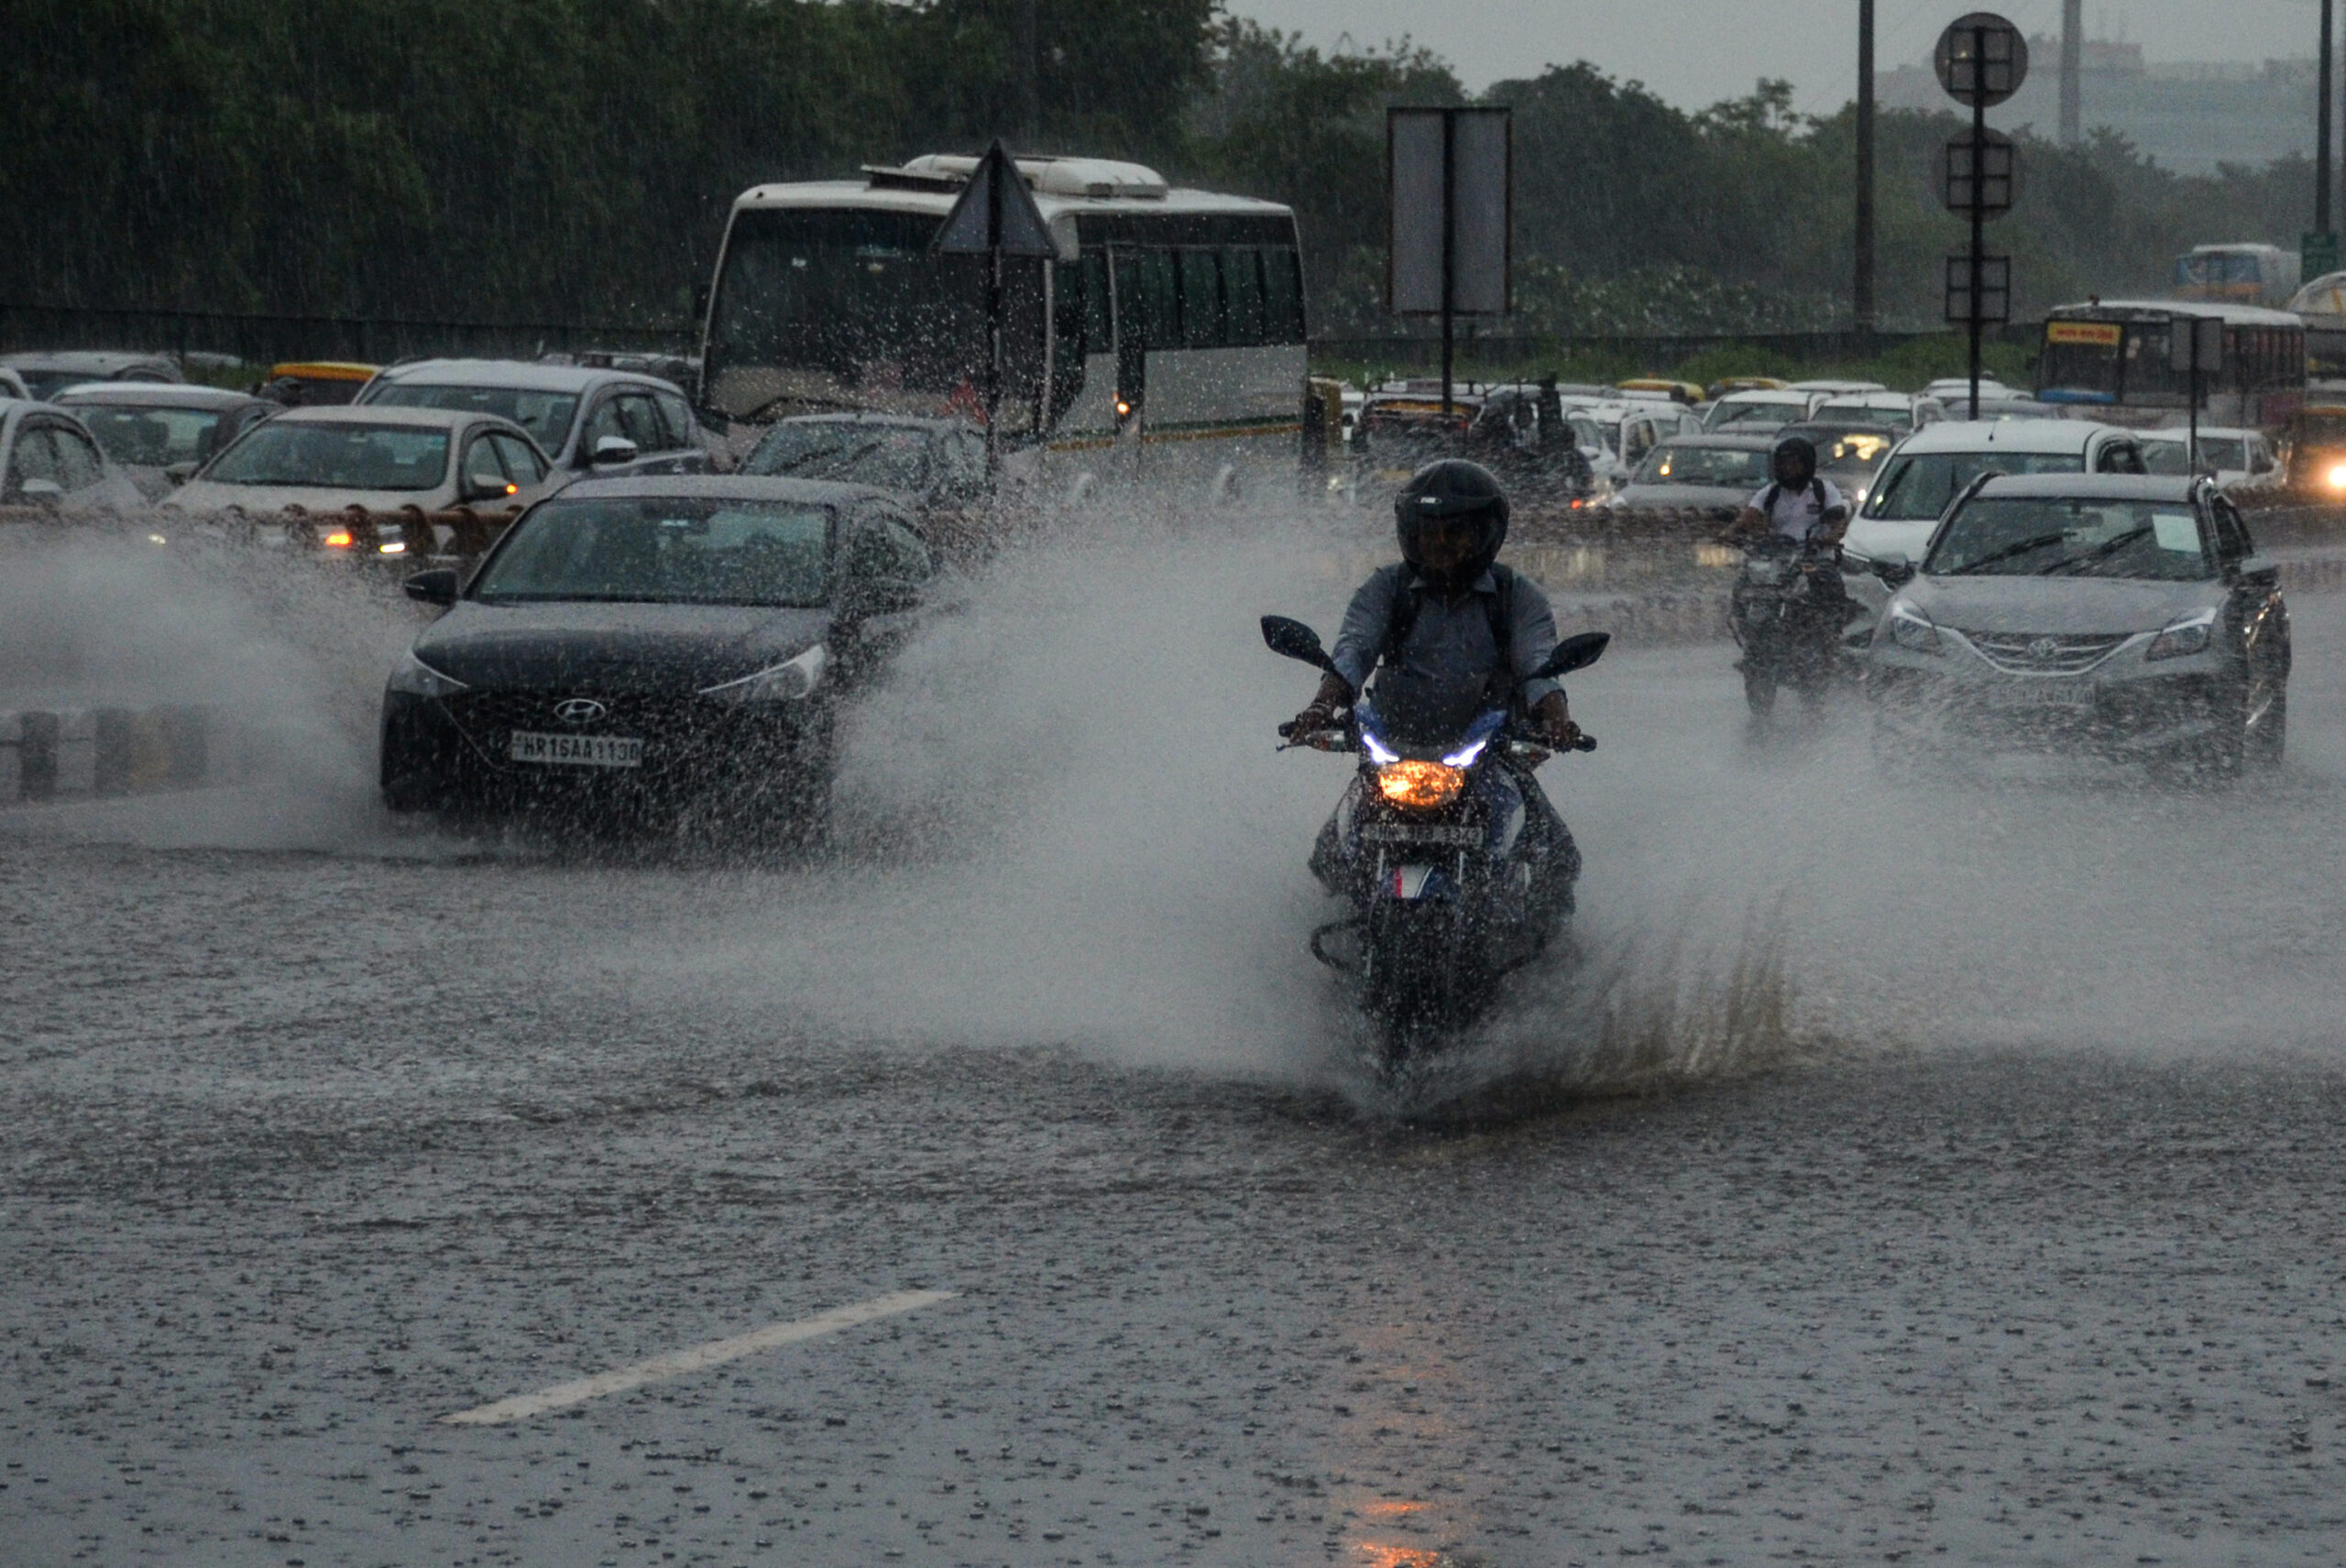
[2321, 127]
[1861, 291]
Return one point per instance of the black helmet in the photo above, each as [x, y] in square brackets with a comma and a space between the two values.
[1451, 489]
[1804, 456]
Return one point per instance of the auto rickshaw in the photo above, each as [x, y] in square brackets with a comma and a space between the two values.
[2314, 451]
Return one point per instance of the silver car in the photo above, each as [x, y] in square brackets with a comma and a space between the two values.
[614, 424]
[48, 458]
[2122, 617]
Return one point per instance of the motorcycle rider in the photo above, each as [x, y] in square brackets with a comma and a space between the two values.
[1797, 504]
[1801, 505]
[1448, 632]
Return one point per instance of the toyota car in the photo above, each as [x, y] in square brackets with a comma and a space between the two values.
[654, 652]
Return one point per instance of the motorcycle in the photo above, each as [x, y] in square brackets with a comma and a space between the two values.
[1787, 610]
[1453, 880]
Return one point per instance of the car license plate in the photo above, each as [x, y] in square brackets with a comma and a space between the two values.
[2041, 694]
[577, 750]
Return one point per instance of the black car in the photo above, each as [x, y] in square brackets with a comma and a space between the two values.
[936, 467]
[642, 651]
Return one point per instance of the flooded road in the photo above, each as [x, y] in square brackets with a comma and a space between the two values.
[2016, 1243]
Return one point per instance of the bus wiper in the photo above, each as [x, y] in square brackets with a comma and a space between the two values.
[2100, 552]
[2023, 547]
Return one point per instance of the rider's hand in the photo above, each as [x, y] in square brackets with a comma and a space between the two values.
[1312, 720]
[1556, 728]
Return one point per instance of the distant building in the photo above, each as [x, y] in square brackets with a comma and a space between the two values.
[2189, 116]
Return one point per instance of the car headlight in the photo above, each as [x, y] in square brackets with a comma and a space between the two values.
[790, 681]
[1419, 785]
[2190, 635]
[1913, 631]
[416, 678]
[2336, 476]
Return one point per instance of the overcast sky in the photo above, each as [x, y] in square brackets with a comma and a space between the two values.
[1695, 52]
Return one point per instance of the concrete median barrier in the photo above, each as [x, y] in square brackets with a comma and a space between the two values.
[69, 754]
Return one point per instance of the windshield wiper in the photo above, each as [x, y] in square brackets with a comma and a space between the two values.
[2100, 552]
[2024, 547]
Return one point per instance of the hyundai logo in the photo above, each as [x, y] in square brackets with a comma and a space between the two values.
[579, 710]
[2044, 649]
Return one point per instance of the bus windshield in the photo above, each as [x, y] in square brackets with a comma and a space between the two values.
[851, 306]
[2217, 266]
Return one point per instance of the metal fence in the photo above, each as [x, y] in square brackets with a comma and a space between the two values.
[257, 339]
[269, 339]
[1658, 350]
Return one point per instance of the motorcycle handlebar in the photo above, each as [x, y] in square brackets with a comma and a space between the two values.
[1334, 740]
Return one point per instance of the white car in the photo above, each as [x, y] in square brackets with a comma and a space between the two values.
[1925, 473]
[1626, 431]
[2239, 457]
[1949, 389]
[1907, 411]
[1762, 409]
[320, 460]
[1837, 389]
[49, 458]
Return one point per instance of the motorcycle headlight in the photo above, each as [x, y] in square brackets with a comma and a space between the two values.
[1418, 785]
[416, 678]
[789, 681]
[1913, 631]
[2190, 635]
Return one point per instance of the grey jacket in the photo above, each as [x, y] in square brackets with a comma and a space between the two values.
[1448, 645]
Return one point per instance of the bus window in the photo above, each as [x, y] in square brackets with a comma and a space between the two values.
[1202, 314]
[1242, 287]
[1282, 297]
[1098, 336]
[1160, 300]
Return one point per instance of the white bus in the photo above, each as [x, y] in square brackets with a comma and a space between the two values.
[1168, 316]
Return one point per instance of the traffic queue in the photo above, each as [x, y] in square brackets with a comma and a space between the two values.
[645, 619]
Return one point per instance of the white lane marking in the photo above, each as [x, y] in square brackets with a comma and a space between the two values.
[677, 1362]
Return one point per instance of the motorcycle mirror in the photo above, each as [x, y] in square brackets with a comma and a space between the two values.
[1293, 640]
[1577, 653]
[1892, 567]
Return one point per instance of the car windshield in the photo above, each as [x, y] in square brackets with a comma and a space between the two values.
[2175, 457]
[545, 415]
[1918, 489]
[151, 438]
[665, 550]
[2083, 536]
[892, 457]
[1843, 450]
[335, 457]
[1766, 415]
[1736, 467]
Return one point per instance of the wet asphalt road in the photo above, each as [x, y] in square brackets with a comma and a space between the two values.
[310, 1148]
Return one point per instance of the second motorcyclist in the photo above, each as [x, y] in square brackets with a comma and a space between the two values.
[1798, 502]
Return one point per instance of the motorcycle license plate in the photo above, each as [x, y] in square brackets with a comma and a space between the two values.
[577, 751]
[2041, 694]
[1462, 835]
